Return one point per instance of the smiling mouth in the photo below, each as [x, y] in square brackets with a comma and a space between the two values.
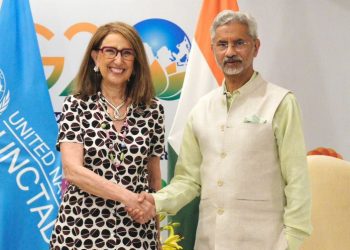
[116, 70]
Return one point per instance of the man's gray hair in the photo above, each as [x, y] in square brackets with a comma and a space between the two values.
[229, 16]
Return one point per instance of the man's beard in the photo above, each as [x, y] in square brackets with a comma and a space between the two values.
[229, 70]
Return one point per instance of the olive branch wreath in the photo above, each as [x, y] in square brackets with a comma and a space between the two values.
[4, 102]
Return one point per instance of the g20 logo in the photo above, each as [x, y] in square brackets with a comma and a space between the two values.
[58, 62]
[167, 47]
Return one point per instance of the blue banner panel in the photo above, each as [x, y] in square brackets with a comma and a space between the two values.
[30, 168]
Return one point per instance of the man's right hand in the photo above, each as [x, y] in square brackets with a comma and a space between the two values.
[148, 212]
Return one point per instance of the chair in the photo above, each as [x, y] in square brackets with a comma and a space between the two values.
[330, 187]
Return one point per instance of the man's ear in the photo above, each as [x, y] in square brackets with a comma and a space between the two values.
[256, 46]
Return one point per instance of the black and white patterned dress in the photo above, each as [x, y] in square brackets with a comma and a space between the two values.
[86, 221]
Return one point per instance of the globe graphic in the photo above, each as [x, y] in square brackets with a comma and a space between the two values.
[167, 47]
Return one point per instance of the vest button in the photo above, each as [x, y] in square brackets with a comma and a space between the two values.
[220, 183]
[223, 155]
[220, 211]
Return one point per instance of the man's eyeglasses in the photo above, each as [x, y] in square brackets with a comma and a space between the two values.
[237, 45]
[111, 53]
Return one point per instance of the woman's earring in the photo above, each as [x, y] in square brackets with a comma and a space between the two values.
[96, 69]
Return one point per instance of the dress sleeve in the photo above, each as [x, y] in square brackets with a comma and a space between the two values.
[70, 129]
[157, 139]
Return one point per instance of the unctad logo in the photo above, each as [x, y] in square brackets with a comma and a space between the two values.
[5, 96]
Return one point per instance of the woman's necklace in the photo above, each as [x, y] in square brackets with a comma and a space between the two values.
[117, 159]
[117, 116]
[117, 150]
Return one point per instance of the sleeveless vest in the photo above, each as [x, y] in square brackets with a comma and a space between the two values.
[242, 194]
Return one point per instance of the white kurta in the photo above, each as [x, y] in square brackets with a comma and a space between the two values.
[242, 198]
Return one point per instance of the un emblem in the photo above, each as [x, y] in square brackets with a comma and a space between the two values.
[4, 96]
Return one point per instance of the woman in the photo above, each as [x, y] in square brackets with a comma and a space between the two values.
[111, 138]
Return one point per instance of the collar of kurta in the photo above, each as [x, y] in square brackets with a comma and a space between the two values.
[246, 88]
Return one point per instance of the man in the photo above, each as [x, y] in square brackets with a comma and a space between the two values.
[243, 152]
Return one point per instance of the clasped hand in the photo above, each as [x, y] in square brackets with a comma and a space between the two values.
[141, 208]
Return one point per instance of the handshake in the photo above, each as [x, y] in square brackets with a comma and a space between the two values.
[141, 207]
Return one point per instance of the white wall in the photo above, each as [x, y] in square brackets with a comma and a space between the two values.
[305, 47]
